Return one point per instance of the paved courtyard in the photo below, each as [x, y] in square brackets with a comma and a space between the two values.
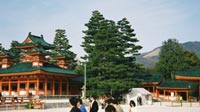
[156, 107]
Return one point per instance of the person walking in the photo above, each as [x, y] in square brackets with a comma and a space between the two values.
[110, 108]
[73, 104]
[81, 106]
[117, 106]
[94, 105]
[132, 106]
[139, 100]
[114, 103]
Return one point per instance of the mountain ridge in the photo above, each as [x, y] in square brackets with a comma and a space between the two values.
[150, 58]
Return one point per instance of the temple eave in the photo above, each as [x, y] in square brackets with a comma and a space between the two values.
[37, 72]
[171, 88]
[187, 78]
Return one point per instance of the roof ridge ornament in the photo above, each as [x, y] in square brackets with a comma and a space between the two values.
[42, 36]
[29, 33]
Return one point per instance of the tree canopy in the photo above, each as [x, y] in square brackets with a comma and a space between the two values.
[173, 58]
[110, 55]
[190, 60]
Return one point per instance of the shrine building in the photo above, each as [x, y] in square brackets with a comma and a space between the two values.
[152, 81]
[191, 75]
[168, 89]
[172, 89]
[34, 72]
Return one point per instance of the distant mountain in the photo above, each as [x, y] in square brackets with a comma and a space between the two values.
[149, 59]
[192, 46]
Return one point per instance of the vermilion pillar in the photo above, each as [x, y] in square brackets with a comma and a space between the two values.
[45, 87]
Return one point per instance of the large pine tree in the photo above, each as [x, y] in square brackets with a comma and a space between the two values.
[110, 57]
[128, 44]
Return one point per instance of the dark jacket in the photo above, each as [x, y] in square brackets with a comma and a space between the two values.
[75, 109]
[94, 107]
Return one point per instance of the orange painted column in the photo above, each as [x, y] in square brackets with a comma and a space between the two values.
[37, 86]
[45, 87]
[67, 87]
[153, 89]
[60, 87]
[18, 87]
[27, 87]
[53, 87]
[9, 87]
[157, 93]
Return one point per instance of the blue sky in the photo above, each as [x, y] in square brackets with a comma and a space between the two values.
[154, 21]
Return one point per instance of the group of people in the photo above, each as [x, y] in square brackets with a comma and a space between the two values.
[73, 102]
[111, 105]
[77, 105]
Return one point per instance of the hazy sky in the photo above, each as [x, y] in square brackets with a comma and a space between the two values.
[154, 21]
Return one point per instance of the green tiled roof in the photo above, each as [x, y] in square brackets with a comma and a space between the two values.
[41, 50]
[20, 67]
[37, 40]
[6, 53]
[175, 84]
[157, 77]
[40, 40]
[66, 53]
[193, 72]
[26, 44]
[55, 69]
[27, 67]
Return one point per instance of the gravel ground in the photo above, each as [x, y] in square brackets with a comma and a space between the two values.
[156, 107]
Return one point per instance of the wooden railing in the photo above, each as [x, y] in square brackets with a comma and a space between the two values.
[14, 100]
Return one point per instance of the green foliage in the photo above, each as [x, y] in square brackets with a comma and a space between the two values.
[79, 69]
[149, 62]
[170, 58]
[190, 60]
[29, 105]
[111, 49]
[173, 58]
[192, 46]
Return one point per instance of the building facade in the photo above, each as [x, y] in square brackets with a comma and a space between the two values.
[32, 72]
